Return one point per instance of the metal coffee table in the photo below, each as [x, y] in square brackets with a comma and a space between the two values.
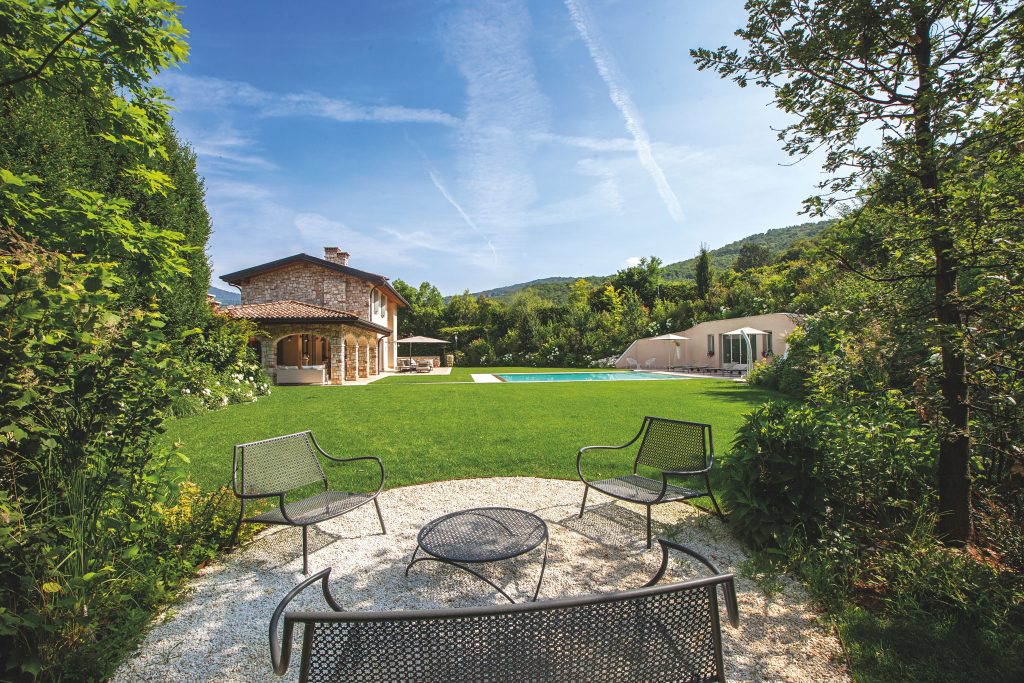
[482, 535]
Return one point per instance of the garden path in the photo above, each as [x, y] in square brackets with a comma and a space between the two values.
[217, 631]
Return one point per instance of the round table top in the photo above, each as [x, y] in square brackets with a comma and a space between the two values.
[483, 534]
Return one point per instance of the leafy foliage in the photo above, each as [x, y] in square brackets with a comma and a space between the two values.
[102, 270]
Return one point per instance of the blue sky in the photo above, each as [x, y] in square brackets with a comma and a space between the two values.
[476, 144]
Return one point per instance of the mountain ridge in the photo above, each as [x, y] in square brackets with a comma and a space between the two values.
[778, 239]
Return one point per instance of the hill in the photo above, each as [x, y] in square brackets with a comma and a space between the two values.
[556, 289]
[225, 297]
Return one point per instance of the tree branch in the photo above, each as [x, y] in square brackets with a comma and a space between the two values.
[46, 60]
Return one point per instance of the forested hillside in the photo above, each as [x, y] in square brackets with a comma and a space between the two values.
[777, 241]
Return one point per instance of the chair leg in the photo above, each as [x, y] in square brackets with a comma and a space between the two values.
[648, 527]
[379, 516]
[718, 510]
[586, 490]
[234, 533]
[714, 502]
[305, 550]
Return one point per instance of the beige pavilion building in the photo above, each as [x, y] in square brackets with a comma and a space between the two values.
[711, 345]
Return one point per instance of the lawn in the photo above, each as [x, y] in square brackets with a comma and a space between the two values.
[430, 431]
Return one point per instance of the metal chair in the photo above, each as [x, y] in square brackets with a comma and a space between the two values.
[676, 449]
[668, 632]
[274, 468]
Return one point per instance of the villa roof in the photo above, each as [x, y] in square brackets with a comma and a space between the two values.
[289, 311]
[239, 275]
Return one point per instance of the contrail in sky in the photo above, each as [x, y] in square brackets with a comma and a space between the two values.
[606, 66]
[469, 221]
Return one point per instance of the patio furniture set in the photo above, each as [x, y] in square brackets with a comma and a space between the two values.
[656, 632]
[414, 365]
[729, 369]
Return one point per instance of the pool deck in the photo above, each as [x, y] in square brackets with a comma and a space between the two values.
[487, 378]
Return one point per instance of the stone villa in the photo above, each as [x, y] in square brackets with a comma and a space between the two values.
[320, 320]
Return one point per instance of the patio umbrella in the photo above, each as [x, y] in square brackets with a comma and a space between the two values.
[746, 332]
[420, 340]
[672, 338]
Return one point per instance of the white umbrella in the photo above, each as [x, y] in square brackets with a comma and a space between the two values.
[746, 333]
[672, 338]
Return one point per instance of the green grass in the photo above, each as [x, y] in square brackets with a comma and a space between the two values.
[927, 647]
[428, 431]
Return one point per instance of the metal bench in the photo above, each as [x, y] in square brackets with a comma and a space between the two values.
[282, 467]
[655, 633]
[677, 449]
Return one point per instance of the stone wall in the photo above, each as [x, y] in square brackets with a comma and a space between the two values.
[310, 284]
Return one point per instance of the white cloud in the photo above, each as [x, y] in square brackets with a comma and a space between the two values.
[315, 104]
[225, 149]
[204, 93]
[609, 71]
[489, 42]
[588, 143]
[469, 221]
[632, 261]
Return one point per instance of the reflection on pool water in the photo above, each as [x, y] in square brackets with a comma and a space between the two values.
[583, 376]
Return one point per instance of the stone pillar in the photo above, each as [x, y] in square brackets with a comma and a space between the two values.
[351, 359]
[337, 359]
[364, 357]
[374, 370]
[268, 357]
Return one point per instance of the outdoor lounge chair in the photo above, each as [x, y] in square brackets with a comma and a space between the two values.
[632, 364]
[676, 450]
[406, 365]
[282, 467]
[424, 365]
[667, 632]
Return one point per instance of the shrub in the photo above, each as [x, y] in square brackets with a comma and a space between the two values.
[772, 479]
[221, 368]
[92, 533]
[859, 461]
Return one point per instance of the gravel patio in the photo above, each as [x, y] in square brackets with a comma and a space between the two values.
[217, 630]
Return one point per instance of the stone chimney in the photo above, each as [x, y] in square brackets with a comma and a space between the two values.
[336, 255]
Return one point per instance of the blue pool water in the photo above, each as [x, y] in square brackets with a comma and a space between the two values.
[582, 376]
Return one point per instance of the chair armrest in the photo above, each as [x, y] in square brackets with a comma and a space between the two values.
[684, 473]
[281, 651]
[380, 464]
[579, 456]
[727, 580]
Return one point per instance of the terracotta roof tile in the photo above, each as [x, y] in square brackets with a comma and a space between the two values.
[288, 309]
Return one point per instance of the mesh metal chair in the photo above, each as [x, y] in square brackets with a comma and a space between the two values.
[275, 468]
[670, 632]
[677, 450]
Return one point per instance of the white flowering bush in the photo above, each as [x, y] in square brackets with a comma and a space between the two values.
[220, 369]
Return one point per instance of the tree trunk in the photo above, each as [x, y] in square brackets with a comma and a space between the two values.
[954, 476]
[955, 524]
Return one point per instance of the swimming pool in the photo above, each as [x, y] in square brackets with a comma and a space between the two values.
[582, 376]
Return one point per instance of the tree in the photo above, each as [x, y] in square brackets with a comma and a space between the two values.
[643, 278]
[703, 269]
[752, 255]
[918, 74]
